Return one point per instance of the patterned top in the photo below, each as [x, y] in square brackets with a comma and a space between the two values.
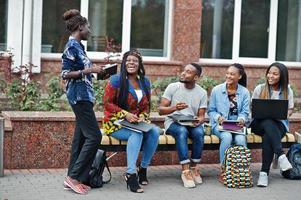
[112, 111]
[74, 58]
[233, 105]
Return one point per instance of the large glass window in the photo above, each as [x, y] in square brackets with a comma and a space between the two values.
[217, 29]
[3, 24]
[254, 32]
[105, 17]
[289, 31]
[54, 34]
[149, 27]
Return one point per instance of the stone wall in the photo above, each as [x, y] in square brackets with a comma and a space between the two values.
[43, 140]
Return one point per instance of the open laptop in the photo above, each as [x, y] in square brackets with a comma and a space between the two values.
[269, 108]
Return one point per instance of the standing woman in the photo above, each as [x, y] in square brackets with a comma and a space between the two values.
[127, 96]
[275, 87]
[230, 101]
[77, 69]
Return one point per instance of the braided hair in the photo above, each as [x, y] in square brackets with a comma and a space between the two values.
[124, 82]
[243, 80]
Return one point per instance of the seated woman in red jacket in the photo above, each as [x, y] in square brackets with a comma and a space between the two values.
[127, 96]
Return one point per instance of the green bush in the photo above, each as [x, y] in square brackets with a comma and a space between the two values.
[23, 97]
[99, 89]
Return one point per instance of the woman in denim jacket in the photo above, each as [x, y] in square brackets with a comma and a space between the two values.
[229, 101]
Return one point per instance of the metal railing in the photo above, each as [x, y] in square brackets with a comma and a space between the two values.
[1, 146]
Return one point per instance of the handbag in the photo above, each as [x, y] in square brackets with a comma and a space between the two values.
[97, 169]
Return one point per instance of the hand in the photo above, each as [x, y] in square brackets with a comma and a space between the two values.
[131, 118]
[181, 106]
[200, 121]
[241, 123]
[220, 120]
[95, 69]
[141, 119]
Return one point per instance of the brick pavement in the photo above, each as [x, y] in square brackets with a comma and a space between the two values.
[165, 184]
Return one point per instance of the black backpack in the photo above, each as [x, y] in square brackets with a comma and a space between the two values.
[294, 156]
[97, 169]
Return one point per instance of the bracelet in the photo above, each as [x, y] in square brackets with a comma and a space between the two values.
[81, 73]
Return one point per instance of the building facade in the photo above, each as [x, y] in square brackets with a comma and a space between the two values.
[169, 33]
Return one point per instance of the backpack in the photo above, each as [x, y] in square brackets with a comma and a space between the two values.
[97, 169]
[294, 157]
[236, 171]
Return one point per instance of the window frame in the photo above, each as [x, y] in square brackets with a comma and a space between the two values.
[236, 43]
[126, 33]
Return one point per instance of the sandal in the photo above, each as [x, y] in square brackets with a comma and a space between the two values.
[76, 187]
[142, 176]
[132, 183]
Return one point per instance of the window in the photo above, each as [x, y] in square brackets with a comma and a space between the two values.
[54, 34]
[249, 31]
[125, 24]
[217, 29]
[254, 35]
[3, 24]
[149, 19]
[289, 31]
[106, 24]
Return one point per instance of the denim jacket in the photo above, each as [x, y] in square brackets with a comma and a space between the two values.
[74, 58]
[219, 104]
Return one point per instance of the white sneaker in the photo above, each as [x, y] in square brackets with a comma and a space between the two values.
[187, 179]
[263, 179]
[284, 163]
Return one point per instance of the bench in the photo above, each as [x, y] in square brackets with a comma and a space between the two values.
[211, 142]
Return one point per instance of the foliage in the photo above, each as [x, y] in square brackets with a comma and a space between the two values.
[208, 83]
[53, 102]
[23, 92]
[24, 97]
[99, 89]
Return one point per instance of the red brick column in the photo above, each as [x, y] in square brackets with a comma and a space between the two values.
[186, 30]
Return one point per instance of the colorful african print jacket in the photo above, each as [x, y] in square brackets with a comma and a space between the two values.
[113, 112]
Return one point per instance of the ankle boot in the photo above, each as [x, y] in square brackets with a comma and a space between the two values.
[142, 175]
[132, 183]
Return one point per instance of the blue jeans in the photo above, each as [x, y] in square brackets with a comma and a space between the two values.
[226, 140]
[148, 141]
[181, 134]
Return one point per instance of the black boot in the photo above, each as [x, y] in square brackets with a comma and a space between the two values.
[142, 175]
[132, 183]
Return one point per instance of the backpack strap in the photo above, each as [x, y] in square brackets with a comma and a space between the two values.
[110, 174]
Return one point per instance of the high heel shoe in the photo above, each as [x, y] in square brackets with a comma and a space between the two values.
[142, 176]
[132, 183]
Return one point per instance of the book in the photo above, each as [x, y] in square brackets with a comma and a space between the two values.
[138, 126]
[108, 69]
[232, 126]
[185, 120]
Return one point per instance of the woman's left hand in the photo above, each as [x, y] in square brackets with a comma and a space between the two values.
[241, 123]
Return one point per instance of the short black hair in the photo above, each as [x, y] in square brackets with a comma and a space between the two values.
[198, 68]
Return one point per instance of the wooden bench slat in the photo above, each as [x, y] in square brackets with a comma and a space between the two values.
[162, 139]
[250, 138]
[207, 139]
[214, 139]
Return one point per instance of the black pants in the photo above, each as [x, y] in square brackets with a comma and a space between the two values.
[271, 131]
[86, 141]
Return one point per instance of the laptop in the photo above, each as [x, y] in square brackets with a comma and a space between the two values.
[183, 118]
[138, 127]
[269, 108]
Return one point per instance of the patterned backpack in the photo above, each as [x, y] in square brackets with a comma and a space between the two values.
[236, 167]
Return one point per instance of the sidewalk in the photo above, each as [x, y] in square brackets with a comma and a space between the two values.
[165, 184]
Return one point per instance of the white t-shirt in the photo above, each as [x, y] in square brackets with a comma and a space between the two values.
[139, 95]
[195, 98]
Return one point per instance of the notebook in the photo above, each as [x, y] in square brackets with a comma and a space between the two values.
[232, 126]
[139, 126]
[269, 108]
[108, 69]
